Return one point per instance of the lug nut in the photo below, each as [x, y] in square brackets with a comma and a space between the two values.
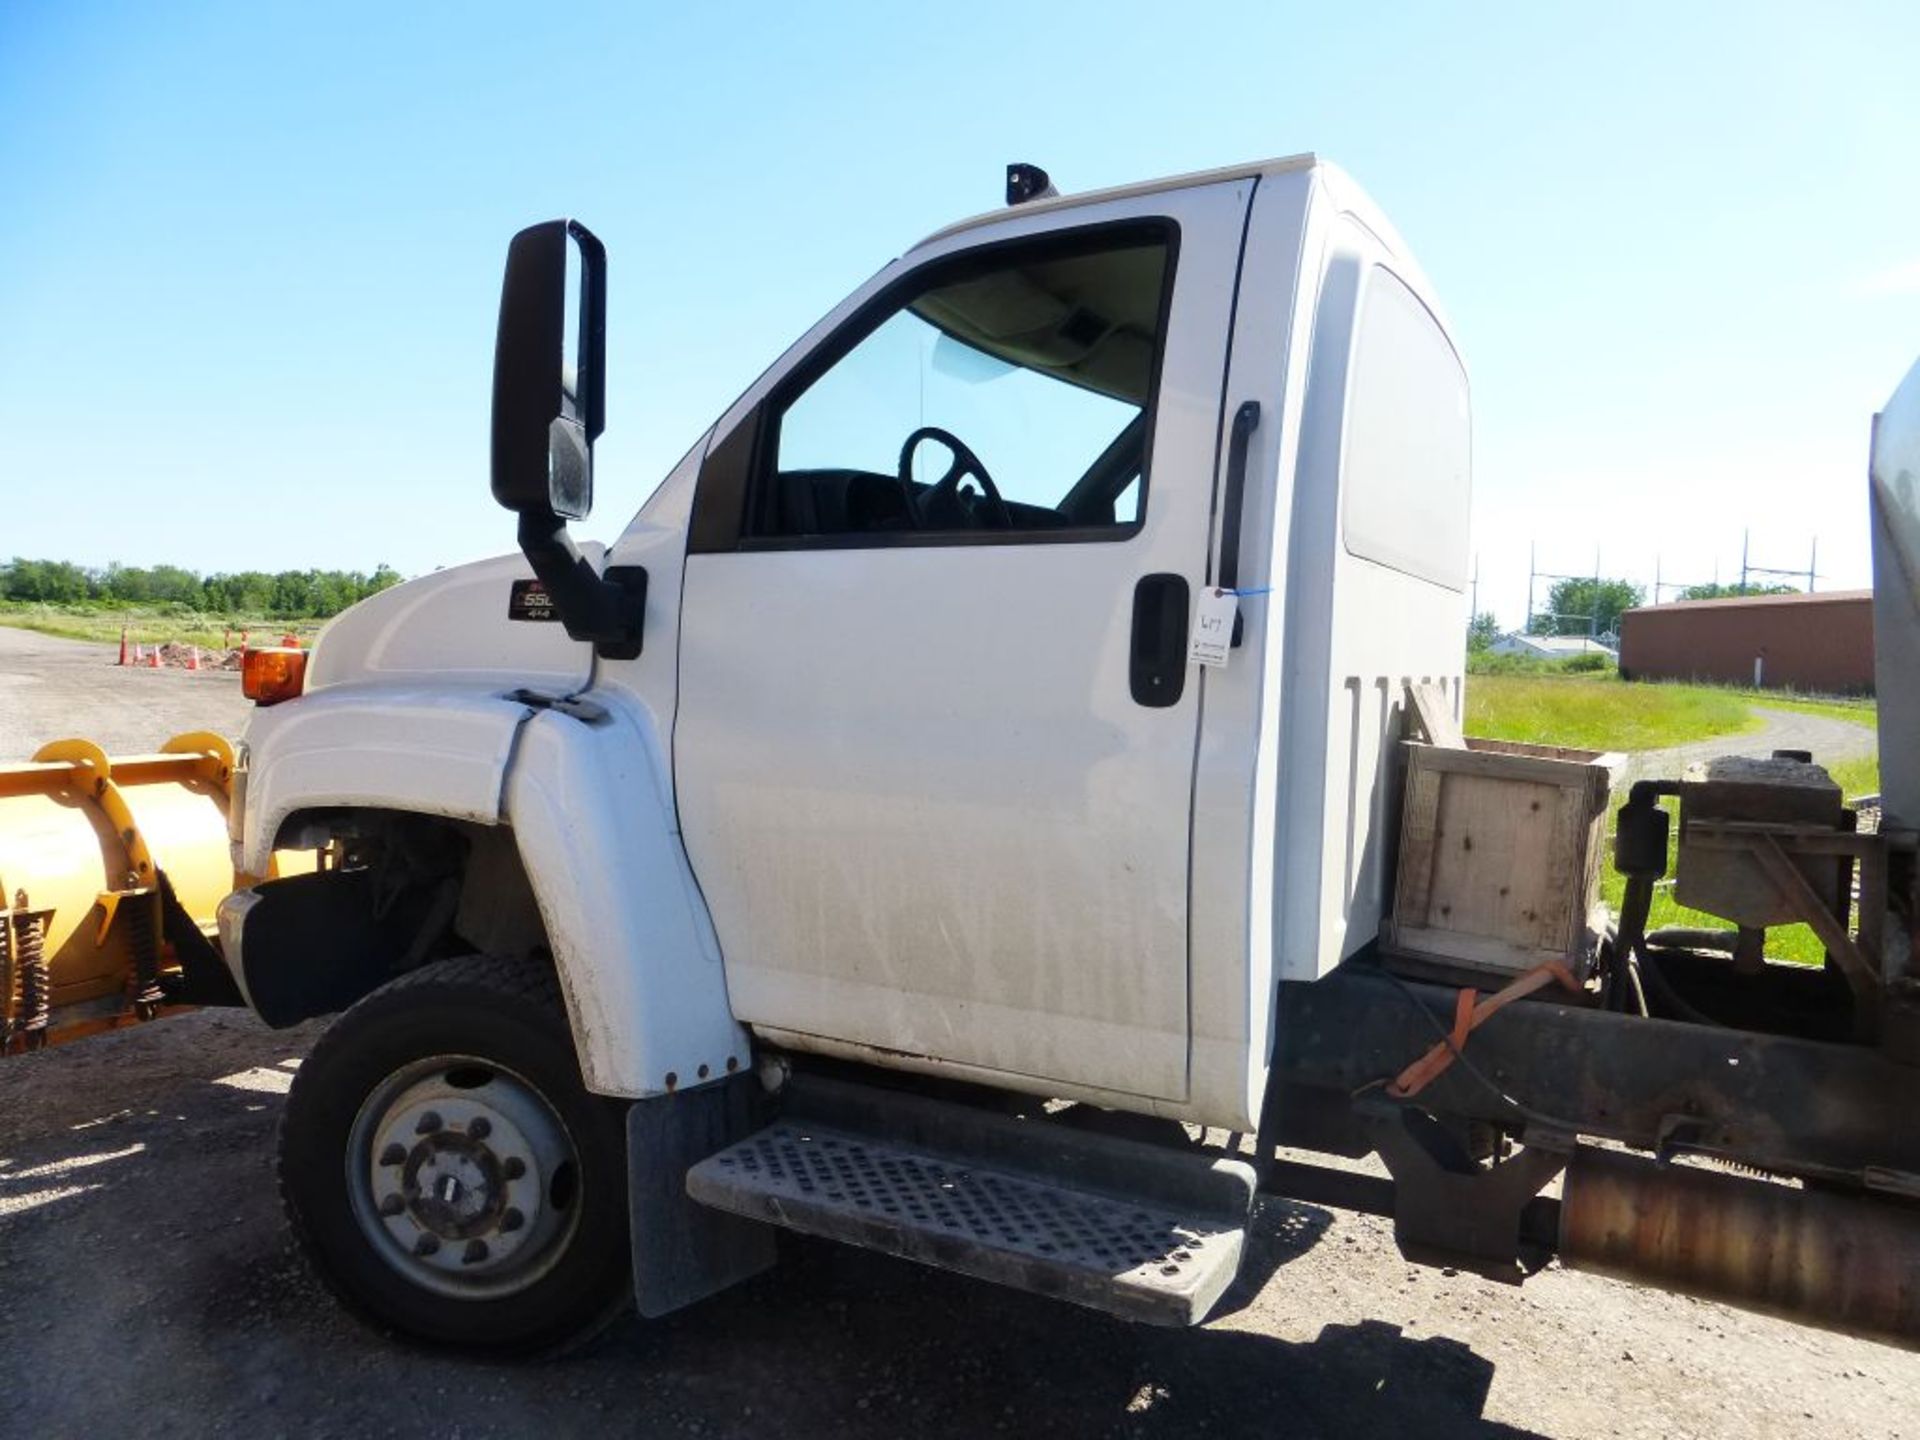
[428, 1123]
[475, 1252]
[513, 1167]
[479, 1128]
[392, 1205]
[426, 1245]
[511, 1220]
[394, 1154]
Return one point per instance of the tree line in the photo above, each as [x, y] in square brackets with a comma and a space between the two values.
[1594, 607]
[286, 594]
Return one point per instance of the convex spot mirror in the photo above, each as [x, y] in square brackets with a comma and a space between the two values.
[549, 370]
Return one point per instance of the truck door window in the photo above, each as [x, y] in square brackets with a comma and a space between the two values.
[999, 396]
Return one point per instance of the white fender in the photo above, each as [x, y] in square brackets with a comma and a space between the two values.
[593, 814]
[593, 818]
[434, 750]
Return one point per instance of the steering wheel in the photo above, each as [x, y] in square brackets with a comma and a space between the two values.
[939, 506]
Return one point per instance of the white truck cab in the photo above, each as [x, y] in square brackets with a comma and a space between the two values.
[876, 738]
[957, 817]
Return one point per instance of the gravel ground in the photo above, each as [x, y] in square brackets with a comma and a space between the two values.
[51, 689]
[147, 1282]
[1830, 741]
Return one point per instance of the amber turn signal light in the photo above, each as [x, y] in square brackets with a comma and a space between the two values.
[273, 673]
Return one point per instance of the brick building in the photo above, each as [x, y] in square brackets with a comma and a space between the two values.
[1801, 642]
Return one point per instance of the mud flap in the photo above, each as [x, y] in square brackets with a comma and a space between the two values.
[683, 1251]
[314, 944]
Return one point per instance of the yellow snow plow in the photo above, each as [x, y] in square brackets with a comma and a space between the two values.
[110, 870]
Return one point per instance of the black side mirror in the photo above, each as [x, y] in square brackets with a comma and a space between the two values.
[548, 409]
[548, 406]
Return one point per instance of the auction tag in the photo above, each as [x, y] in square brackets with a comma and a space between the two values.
[1212, 626]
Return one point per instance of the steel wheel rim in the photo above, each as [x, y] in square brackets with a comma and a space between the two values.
[462, 1177]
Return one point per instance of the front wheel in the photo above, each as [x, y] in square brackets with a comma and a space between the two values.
[447, 1171]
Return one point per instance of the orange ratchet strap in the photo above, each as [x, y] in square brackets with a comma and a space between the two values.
[1469, 1013]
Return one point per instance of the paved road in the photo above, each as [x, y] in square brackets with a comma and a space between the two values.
[51, 688]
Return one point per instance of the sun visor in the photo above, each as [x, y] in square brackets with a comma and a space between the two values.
[1089, 320]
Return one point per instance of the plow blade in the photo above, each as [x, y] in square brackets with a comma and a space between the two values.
[110, 870]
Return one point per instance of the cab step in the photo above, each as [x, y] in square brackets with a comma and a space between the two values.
[1143, 1231]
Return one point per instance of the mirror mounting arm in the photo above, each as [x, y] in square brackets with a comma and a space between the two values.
[608, 610]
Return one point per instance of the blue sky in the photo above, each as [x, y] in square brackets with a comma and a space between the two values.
[250, 253]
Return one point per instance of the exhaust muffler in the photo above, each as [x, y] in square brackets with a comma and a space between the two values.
[1844, 1262]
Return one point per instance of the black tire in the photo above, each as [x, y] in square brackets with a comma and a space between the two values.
[508, 1017]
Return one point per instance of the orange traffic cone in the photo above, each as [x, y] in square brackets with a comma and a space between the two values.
[153, 658]
[123, 644]
[193, 657]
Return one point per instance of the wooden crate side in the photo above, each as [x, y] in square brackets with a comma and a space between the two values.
[1413, 889]
[1599, 799]
[1487, 876]
[1525, 747]
[1504, 766]
[1434, 948]
[1565, 869]
[1480, 951]
[1499, 862]
[1610, 761]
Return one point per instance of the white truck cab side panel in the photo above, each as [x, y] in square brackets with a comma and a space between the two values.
[1382, 363]
[1294, 786]
[1237, 772]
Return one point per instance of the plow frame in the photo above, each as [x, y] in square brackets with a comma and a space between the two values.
[128, 911]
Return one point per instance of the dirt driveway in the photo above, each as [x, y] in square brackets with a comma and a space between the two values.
[147, 1286]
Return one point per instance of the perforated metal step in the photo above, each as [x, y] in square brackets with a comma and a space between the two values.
[1036, 1227]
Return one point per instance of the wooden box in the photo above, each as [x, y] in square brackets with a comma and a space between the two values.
[1500, 852]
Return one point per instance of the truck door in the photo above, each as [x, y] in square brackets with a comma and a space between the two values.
[935, 735]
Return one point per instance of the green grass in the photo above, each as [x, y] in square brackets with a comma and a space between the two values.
[1602, 713]
[1857, 777]
[148, 625]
